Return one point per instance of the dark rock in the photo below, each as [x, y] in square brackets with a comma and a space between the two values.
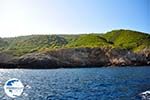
[77, 57]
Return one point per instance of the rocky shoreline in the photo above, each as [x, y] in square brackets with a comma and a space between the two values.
[76, 58]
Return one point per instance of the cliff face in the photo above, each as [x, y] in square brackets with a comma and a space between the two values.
[114, 48]
[127, 39]
[77, 57]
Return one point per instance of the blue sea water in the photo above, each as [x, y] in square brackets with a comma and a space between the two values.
[107, 83]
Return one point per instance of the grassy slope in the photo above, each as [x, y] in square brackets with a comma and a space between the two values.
[128, 39]
[3, 44]
[36, 43]
[33, 43]
[89, 40]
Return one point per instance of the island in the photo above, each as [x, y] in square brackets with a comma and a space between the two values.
[114, 48]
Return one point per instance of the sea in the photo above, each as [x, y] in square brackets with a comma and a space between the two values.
[105, 83]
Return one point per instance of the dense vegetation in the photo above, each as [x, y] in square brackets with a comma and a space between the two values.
[127, 39]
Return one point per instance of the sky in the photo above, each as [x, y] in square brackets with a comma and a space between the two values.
[25, 17]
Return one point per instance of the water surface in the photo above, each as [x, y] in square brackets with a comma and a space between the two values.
[119, 83]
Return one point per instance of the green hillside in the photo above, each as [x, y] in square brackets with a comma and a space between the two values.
[3, 44]
[127, 39]
[33, 43]
[89, 40]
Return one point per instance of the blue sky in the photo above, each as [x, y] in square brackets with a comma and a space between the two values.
[24, 17]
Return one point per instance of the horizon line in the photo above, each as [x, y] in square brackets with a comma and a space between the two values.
[79, 33]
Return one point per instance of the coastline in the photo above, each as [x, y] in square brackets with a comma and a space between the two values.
[77, 58]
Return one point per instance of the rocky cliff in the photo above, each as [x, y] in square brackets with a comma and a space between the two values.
[77, 57]
[114, 48]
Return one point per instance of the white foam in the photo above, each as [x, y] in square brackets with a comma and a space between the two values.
[145, 95]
